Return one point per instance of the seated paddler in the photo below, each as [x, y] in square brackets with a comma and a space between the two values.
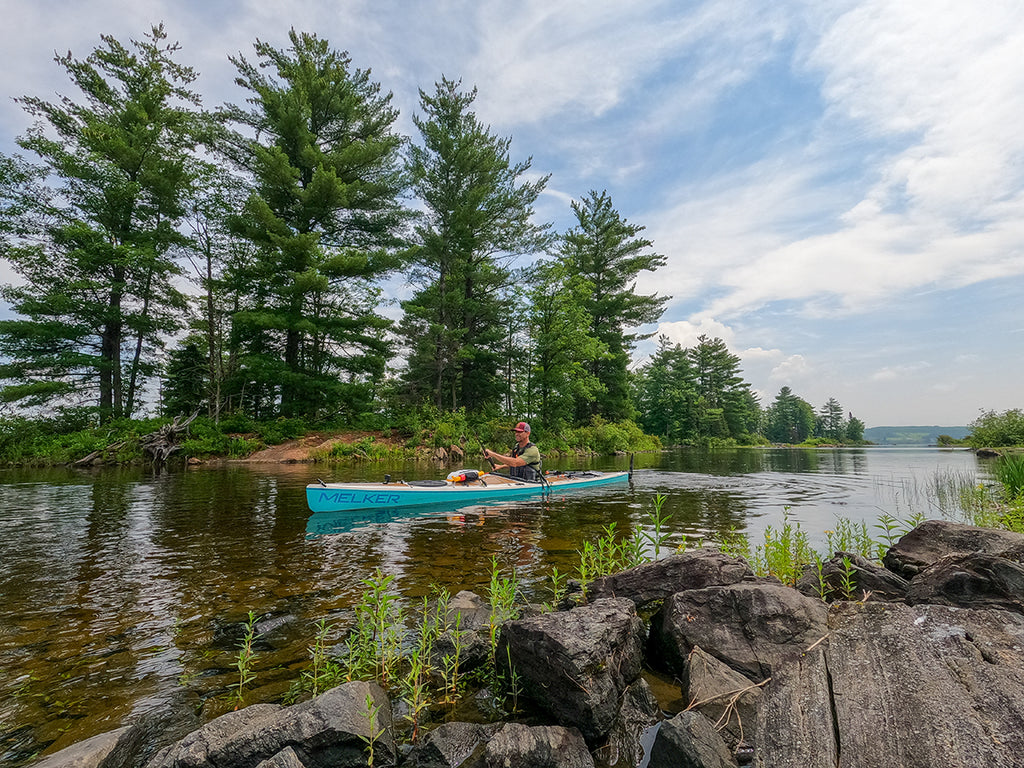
[523, 461]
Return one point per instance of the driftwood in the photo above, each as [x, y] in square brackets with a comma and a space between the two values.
[162, 443]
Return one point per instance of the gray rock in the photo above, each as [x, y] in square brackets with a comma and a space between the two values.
[694, 569]
[724, 696]
[575, 665]
[114, 749]
[542, 746]
[977, 580]
[452, 745]
[934, 539]
[689, 740]
[863, 576]
[324, 732]
[795, 727]
[927, 685]
[286, 758]
[749, 626]
[639, 711]
[193, 749]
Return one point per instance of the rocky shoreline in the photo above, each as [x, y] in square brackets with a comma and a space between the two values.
[921, 663]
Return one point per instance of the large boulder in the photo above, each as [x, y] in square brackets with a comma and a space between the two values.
[575, 665]
[689, 740]
[695, 569]
[977, 580]
[114, 749]
[926, 685]
[749, 626]
[639, 712]
[934, 539]
[848, 576]
[329, 731]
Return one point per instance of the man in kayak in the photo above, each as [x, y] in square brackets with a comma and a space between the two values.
[523, 461]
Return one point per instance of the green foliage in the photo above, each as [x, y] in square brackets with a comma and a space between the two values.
[790, 419]
[609, 437]
[1009, 471]
[185, 384]
[324, 219]
[478, 213]
[244, 660]
[994, 430]
[603, 254]
[61, 439]
[97, 295]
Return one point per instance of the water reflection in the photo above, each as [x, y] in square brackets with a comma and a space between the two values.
[124, 590]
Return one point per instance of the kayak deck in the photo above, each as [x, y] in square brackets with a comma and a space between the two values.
[335, 497]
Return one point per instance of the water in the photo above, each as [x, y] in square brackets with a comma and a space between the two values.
[126, 591]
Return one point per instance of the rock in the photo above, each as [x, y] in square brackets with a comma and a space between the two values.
[749, 626]
[575, 665]
[926, 685]
[114, 749]
[455, 453]
[639, 711]
[325, 732]
[286, 758]
[724, 696]
[934, 539]
[469, 617]
[689, 740]
[977, 580]
[452, 745]
[194, 748]
[795, 727]
[695, 569]
[542, 746]
[863, 576]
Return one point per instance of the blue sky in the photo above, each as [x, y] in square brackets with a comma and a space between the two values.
[838, 187]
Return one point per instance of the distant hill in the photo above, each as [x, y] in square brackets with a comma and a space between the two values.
[912, 435]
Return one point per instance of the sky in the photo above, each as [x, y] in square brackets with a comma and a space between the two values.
[837, 187]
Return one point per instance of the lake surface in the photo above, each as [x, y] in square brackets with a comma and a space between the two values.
[125, 591]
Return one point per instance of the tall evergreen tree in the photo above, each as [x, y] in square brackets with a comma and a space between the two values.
[666, 396]
[478, 216]
[725, 405]
[606, 251]
[327, 222]
[94, 245]
[830, 420]
[789, 419]
[563, 350]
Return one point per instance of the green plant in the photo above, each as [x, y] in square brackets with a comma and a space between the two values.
[658, 519]
[847, 580]
[243, 662]
[373, 733]
[323, 673]
[1009, 471]
[558, 589]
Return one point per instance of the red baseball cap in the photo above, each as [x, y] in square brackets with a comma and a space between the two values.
[522, 426]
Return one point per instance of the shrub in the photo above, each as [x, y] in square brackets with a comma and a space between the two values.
[992, 430]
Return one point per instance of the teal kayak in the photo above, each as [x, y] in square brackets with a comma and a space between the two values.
[340, 497]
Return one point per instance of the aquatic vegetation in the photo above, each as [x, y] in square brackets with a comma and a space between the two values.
[244, 661]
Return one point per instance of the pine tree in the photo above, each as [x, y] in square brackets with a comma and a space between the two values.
[326, 222]
[478, 216]
[606, 252]
[96, 237]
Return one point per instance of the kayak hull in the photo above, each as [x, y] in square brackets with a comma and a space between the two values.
[340, 497]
